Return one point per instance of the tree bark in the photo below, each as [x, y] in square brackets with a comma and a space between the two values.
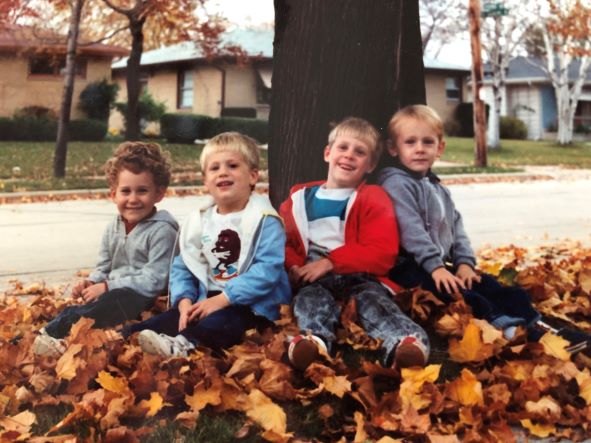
[477, 77]
[333, 59]
[132, 119]
[61, 144]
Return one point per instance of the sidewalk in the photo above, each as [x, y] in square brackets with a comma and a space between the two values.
[51, 241]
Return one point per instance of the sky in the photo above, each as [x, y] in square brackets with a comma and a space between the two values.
[256, 12]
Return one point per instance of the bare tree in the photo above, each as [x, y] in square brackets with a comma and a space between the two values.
[441, 22]
[503, 32]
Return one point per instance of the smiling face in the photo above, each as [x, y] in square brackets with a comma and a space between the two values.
[417, 145]
[229, 180]
[349, 159]
[135, 195]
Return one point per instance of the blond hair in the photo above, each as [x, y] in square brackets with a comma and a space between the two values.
[361, 129]
[138, 157]
[231, 142]
[422, 113]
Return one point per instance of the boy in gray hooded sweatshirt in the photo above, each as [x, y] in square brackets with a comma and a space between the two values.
[435, 250]
[135, 252]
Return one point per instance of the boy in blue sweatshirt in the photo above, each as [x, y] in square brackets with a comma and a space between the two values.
[229, 276]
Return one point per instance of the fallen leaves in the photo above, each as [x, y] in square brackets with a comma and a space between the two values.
[482, 388]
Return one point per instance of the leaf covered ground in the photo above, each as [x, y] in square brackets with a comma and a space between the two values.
[477, 387]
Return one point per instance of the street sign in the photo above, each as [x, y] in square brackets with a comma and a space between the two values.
[494, 9]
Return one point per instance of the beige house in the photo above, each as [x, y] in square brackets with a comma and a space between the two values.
[185, 81]
[31, 69]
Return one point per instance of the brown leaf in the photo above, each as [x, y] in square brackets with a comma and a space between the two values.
[67, 365]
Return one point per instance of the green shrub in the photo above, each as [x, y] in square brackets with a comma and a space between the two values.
[582, 129]
[87, 130]
[6, 128]
[34, 129]
[97, 99]
[35, 111]
[239, 112]
[150, 110]
[465, 117]
[184, 128]
[255, 128]
[512, 128]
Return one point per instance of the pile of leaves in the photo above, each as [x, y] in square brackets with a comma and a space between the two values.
[477, 387]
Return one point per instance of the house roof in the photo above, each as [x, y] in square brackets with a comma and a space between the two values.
[23, 38]
[531, 70]
[255, 42]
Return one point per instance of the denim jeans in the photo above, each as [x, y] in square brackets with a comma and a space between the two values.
[220, 329]
[317, 311]
[502, 306]
[110, 309]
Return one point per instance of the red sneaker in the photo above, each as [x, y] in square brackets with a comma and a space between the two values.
[303, 350]
[410, 352]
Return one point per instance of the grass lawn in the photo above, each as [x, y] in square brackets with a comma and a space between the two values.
[86, 159]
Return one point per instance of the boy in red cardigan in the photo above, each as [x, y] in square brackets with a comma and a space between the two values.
[342, 238]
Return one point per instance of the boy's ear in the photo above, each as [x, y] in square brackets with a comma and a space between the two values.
[160, 193]
[391, 147]
[326, 153]
[254, 177]
[441, 148]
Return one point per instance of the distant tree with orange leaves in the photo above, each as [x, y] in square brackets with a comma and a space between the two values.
[566, 28]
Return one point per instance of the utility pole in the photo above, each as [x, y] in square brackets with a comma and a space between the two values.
[477, 77]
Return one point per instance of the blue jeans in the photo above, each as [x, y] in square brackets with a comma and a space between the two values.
[110, 309]
[220, 329]
[316, 310]
[502, 306]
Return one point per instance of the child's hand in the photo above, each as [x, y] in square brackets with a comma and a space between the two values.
[313, 271]
[295, 275]
[445, 281]
[203, 308]
[467, 275]
[91, 293]
[184, 306]
[79, 287]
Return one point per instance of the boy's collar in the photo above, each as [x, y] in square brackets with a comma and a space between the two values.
[433, 178]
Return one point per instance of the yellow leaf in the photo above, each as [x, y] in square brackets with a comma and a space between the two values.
[489, 333]
[203, 396]
[584, 381]
[112, 384]
[20, 423]
[337, 385]
[538, 429]
[154, 404]
[387, 439]
[471, 348]
[555, 346]
[545, 407]
[585, 280]
[67, 364]
[418, 376]
[360, 434]
[413, 381]
[266, 413]
[466, 390]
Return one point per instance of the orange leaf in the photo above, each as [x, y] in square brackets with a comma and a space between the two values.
[154, 404]
[471, 348]
[20, 423]
[270, 416]
[538, 429]
[360, 434]
[67, 365]
[112, 384]
[555, 346]
[203, 396]
[466, 390]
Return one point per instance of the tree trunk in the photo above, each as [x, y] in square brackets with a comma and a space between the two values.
[333, 59]
[132, 119]
[477, 77]
[61, 144]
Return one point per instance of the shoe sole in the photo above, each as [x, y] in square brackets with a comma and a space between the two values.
[302, 353]
[409, 356]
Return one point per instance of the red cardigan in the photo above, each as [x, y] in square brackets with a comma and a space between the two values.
[371, 233]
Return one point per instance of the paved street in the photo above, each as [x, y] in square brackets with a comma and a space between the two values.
[51, 241]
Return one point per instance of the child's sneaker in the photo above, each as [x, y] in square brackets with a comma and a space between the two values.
[409, 352]
[579, 341]
[47, 346]
[164, 345]
[303, 350]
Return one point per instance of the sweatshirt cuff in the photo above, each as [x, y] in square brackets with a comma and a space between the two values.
[433, 263]
[470, 261]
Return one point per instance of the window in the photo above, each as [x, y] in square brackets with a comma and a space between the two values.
[53, 65]
[453, 88]
[264, 85]
[185, 91]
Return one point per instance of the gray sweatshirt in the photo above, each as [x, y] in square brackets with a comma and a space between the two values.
[431, 229]
[139, 260]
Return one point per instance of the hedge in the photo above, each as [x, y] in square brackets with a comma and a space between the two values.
[87, 129]
[465, 117]
[186, 128]
[512, 128]
[183, 128]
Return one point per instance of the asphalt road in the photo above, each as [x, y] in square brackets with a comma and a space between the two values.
[51, 241]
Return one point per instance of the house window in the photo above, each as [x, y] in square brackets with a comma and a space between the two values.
[185, 91]
[453, 88]
[54, 65]
[264, 85]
